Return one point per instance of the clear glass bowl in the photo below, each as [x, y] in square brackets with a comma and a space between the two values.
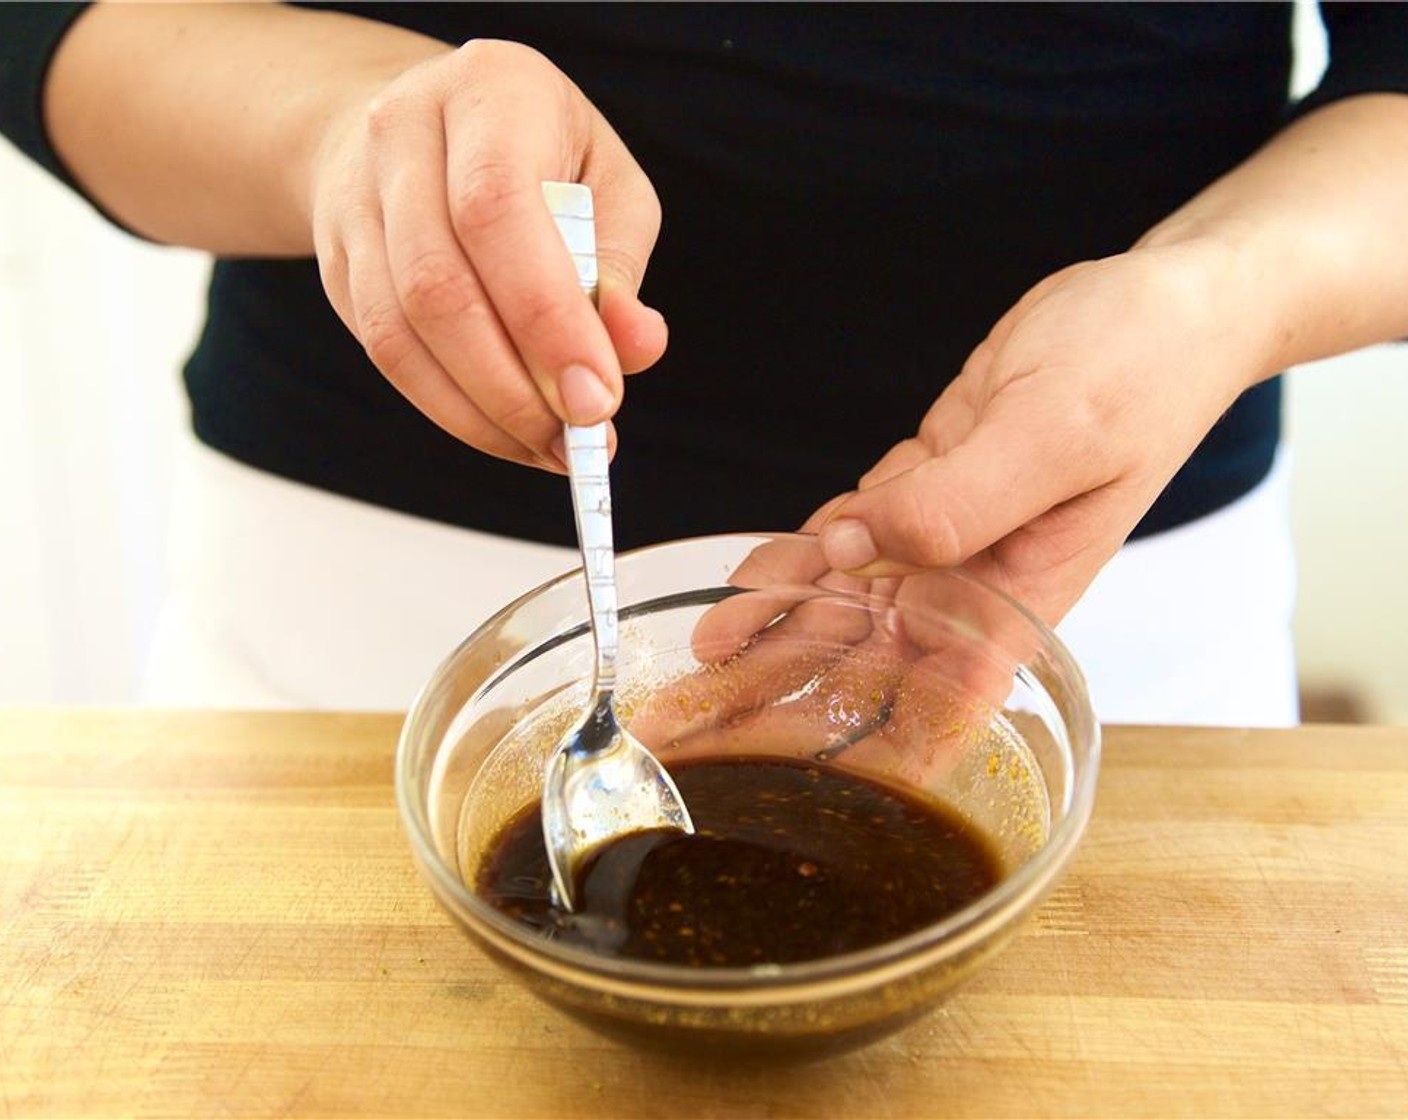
[935, 684]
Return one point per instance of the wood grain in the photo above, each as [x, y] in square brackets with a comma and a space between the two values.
[217, 914]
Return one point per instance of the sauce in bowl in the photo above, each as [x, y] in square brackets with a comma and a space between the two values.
[791, 861]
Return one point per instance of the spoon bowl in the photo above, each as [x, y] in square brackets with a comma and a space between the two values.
[600, 782]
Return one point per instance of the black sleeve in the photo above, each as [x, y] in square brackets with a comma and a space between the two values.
[29, 35]
[1368, 52]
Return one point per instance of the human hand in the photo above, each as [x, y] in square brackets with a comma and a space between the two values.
[1064, 425]
[901, 675]
[1028, 472]
[438, 253]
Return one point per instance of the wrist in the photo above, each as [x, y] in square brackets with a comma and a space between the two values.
[1317, 225]
[199, 125]
[1248, 281]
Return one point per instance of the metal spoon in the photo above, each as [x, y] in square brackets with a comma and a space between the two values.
[600, 782]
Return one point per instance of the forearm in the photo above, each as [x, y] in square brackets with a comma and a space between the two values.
[1315, 226]
[198, 124]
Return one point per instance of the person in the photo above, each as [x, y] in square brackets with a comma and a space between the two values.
[1006, 287]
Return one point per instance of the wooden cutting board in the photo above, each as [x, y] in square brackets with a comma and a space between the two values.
[217, 914]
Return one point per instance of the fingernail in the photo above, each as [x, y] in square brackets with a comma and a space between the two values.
[848, 545]
[584, 395]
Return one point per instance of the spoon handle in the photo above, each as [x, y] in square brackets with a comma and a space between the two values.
[587, 460]
[591, 503]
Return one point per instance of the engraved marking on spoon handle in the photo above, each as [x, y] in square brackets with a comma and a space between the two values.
[591, 502]
[573, 211]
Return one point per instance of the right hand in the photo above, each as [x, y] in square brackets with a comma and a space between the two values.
[903, 688]
[437, 250]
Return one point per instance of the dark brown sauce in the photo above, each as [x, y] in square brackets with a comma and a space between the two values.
[790, 862]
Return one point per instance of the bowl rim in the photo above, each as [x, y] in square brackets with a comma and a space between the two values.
[1013, 894]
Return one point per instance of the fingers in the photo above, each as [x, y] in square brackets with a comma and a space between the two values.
[718, 696]
[943, 509]
[947, 424]
[442, 342]
[638, 332]
[965, 634]
[1062, 428]
[777, 575]
[902, 682]
[931, 725]
[1048, 563]
[875, 706]
[438, 252]
[844, 702]
[746, 667]
[628, 223]
[797, 694]
[495, 164]
[360, 287]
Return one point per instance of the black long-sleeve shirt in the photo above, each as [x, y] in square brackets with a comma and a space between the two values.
[852, 196]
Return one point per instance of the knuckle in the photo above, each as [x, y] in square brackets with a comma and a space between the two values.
[927, 519]
[524, 414]
[434, 286]
[472, 429]
[385, 114]
[386, 337]
[332, 270]
[539, 315]
[486, 194]
[479, 52]
[1077, 435]
[334, 274]
[1034, 552]
[482, 64]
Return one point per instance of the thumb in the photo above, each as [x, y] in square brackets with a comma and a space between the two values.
[946, 509]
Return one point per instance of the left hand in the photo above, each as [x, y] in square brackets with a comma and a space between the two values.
[1065, 423]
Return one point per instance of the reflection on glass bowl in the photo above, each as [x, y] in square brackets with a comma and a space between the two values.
[937, 686]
